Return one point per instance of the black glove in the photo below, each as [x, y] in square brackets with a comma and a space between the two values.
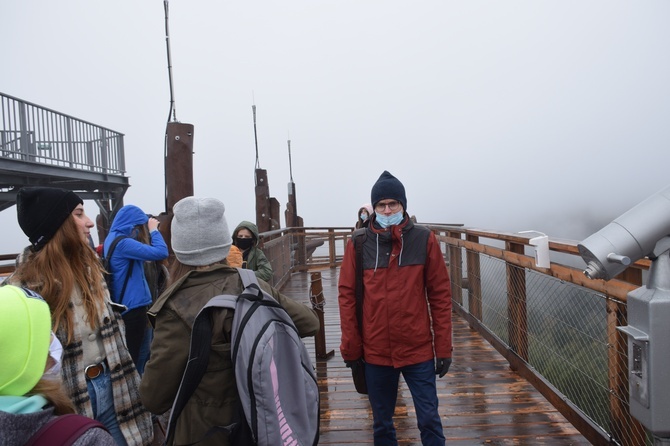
[353, 365]
[442, 366]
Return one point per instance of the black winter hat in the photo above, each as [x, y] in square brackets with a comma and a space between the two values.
[41, 211]
[389, 187]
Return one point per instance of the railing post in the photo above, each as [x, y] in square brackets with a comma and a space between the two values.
[120, 155]
[104, 161]
[69, 138]
[456, 270]
[300, 253]
[474, 280]
[27, 147]
[332, 257]
[517, 310]
[316, 297]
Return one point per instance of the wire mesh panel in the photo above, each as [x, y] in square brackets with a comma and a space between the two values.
[494, 297]
[280, 254]
[567, 335]
[567, 332]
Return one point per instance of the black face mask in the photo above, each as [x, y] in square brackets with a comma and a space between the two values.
[244, 243]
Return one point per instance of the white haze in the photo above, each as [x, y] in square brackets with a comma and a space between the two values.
[510, 116]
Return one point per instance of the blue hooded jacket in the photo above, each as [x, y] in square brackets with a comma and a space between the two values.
[132, 252]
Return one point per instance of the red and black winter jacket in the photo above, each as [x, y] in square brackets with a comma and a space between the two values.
[404, 275]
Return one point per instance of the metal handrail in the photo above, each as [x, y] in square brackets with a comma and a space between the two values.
[34, 134]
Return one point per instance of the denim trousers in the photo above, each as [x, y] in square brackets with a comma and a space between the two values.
[382, 384]
[102, 400]
[137, 324]
[145, 349]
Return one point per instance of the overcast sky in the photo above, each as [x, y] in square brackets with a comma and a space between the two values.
[504, 115]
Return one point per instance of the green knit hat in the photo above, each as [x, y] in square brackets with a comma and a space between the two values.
[25, 335]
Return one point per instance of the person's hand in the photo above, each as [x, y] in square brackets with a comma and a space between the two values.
[442, 366]
[153, 223]
[353, 365]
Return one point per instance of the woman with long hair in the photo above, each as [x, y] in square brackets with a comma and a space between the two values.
[137, 240]
[98, 372]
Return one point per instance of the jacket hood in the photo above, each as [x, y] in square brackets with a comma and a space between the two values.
[127, 218]
[367, 207]
[247, 225]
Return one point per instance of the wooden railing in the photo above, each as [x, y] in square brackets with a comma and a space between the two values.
[555, 326]
[302, 249]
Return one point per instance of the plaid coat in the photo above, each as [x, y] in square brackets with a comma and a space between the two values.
[134, 420]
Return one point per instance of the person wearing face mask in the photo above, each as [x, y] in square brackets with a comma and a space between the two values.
[245, 237]
[363, 216]
[406, 312]
[31, 391]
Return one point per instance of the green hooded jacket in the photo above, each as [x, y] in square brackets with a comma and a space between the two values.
[254, 258]
[214, 402]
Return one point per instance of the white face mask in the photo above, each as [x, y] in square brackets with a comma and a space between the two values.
[56, 353]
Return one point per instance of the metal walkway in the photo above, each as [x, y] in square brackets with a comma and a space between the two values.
[42, 147]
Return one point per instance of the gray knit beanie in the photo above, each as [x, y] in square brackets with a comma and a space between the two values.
[200, 234]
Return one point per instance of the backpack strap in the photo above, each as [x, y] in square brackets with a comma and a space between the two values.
[63, 430]
[198, 359]
[248, 277]
[359, 237]
[112, 247]
[108, 259]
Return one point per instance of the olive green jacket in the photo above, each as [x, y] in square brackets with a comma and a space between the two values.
[254, 258]
[215, 400]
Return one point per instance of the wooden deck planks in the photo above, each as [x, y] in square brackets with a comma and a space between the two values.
[482, 402]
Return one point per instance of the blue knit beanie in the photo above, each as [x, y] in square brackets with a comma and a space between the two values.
[388, 187]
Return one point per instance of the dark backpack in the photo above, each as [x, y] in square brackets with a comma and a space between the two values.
[63, 430]
[275, 378]
[358, 370]
[106, 259]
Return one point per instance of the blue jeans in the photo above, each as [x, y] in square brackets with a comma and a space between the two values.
[102, 400]
[145, 349]
[382, 384]
[137, 336]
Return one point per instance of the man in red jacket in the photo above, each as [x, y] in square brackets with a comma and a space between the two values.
[406, 319]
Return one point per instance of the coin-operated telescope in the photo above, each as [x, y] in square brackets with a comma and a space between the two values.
[643, 231]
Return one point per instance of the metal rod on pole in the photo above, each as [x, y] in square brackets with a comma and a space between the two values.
[290, 165]
[253, 108]
[173, 110]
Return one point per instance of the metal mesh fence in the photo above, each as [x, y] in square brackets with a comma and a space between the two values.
[568, 331]
[279, 252]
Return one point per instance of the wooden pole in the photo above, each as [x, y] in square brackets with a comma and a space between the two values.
[316, 296]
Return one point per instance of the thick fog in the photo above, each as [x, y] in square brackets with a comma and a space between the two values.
[512, 116]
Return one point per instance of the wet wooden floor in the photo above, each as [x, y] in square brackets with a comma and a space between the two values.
[482, 402]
